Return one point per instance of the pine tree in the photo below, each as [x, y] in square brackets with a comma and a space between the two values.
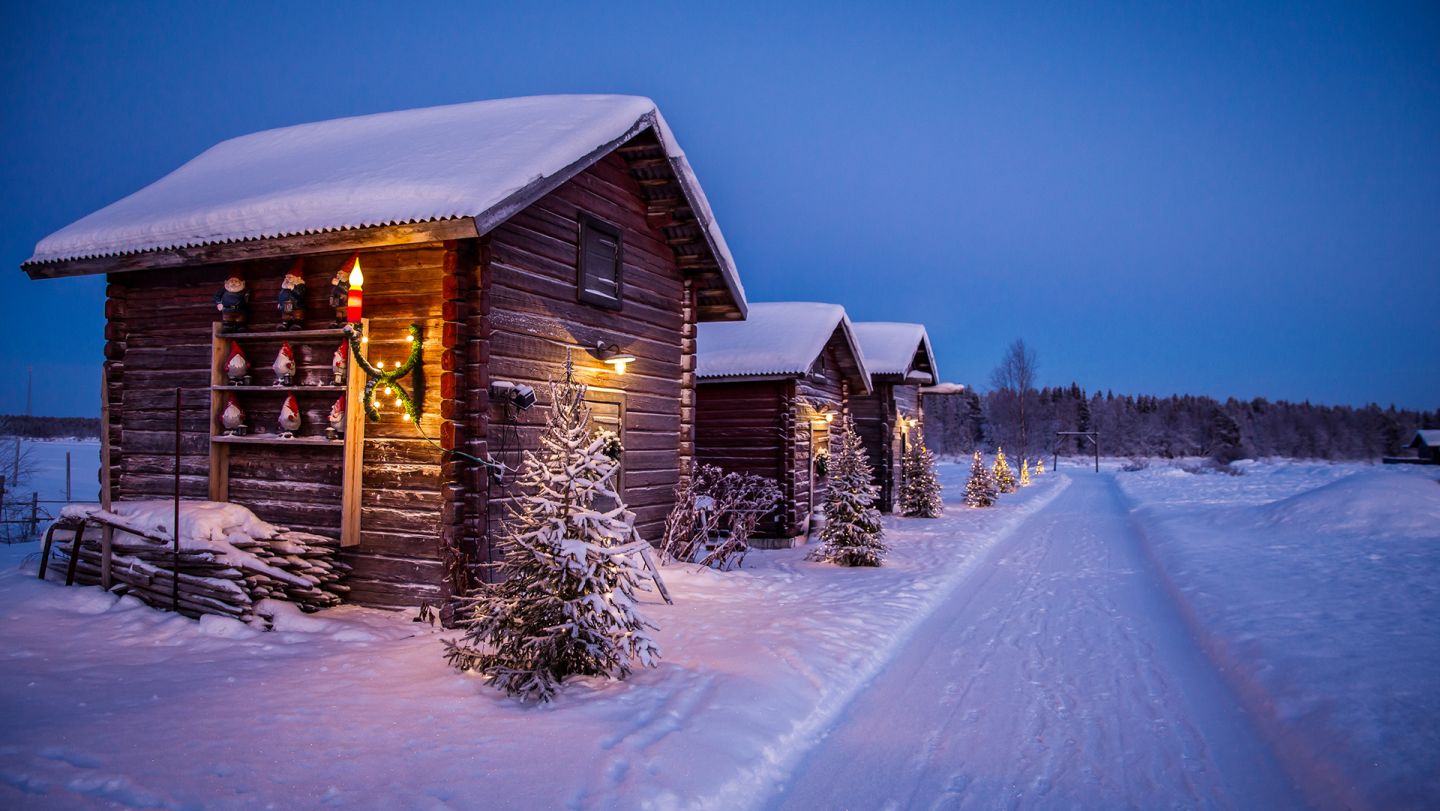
[1025, 473]
[853, 535]
[1040, 466]
[919, 486]
[567, 603]
[1004, 476]
[980, 490]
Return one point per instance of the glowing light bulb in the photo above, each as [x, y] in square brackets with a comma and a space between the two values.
[409, 339]
[406, 417]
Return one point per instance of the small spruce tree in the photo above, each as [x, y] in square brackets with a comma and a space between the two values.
[919, 486]
[1040, 466]
[980, 490]
[853, 534]
[567, 604]
[1004, 475]
[1025, 473]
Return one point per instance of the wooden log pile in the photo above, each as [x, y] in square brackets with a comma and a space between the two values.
[229, 579]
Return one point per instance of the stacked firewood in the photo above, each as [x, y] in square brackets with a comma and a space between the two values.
[230, 581]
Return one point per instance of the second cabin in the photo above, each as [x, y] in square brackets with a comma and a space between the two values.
[767, 391]
[890, 417]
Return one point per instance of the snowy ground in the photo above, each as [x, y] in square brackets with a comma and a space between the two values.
[107, 701]
[1316, 590]
[43, 472]
[1232, 642]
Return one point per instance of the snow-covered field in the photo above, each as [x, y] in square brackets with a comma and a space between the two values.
[1316, 590]
[1039, 654]
[43, 473]
[107, 701]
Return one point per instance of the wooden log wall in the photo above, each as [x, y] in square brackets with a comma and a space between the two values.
[116, 335]
[742, 428]
[158, 337]
[535, 319]
[875, 421]
[821, 392]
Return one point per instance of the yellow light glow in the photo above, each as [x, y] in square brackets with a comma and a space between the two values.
[406, 417]
[619, 367]
[357, 279]
[379, 364]
[829, 417]
[389, 391]
[409, 339]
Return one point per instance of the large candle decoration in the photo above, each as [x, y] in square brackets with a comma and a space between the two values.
[355, 296]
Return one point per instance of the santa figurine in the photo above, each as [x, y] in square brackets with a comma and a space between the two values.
[284, 365]
[290, 301]
[337, 420]
[338, 361]
[233, 302]
[340, 295]
[237, 368]
[233, 417]
[289, 417]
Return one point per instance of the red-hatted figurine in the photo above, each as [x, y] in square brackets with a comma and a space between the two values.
[233, 417]
[337, 420]
[289, 417]
[237, 368]
[284, 365]
[290, 301]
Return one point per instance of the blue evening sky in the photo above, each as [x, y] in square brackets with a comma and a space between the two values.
[1205, 198]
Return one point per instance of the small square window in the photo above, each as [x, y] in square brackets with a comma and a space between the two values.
[598, 266]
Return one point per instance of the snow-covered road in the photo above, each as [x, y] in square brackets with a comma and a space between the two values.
[1058, 675]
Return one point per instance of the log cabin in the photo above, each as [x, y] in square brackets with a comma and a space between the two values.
[767, 391]
[517, 236]
[900, 361]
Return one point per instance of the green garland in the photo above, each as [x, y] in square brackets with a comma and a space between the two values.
[374, 376]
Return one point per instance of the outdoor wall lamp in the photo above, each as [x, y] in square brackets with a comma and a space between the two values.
[611, 354]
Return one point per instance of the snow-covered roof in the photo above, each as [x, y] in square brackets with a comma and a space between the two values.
[890, 346]
[775, 339]
[1430, 436]
[483, 159]
[943, 388]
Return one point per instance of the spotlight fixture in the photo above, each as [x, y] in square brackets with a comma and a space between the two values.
[516, 394]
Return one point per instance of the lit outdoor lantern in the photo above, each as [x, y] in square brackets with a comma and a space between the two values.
[612, 355]
[356, 295]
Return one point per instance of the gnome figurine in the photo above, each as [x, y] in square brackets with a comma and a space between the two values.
[233, 302]
[290, 301]
[337, 420]
[233, 417]
[340, 295]
[284, 365]
[289, 417]
[338, 362]
[237, 368]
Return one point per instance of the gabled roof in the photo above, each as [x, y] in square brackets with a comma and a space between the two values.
[484, 160]
[1429, 436]
[895, 348]
[777, 339]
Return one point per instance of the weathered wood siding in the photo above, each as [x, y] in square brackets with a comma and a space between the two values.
[534, 318]
[743, 428]
[823, 391]
[158, 337]
[875, 421]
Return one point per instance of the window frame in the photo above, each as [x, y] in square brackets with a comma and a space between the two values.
[591, 224]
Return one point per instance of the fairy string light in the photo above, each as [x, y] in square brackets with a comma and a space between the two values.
[376, 375]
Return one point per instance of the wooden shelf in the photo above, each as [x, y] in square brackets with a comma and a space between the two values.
[271, 439]
[278, 389]
[293, 334]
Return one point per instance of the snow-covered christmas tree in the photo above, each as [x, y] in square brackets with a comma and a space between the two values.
[980, 490]
[853, 535]
[567, 604]
[1004, 476]
[919, 486]
[1025, 473]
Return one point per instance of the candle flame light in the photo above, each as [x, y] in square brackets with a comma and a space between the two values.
[355, 299]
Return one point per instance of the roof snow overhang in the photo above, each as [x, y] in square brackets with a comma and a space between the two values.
[188, 218]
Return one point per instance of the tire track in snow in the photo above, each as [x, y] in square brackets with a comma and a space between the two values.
[1058, 675]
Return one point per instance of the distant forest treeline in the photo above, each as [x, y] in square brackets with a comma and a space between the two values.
[50, 427]
[1175, 426]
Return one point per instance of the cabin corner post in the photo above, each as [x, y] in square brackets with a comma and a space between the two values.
[457, 546]
[116, 338]
[791, 439]
[687, 383]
